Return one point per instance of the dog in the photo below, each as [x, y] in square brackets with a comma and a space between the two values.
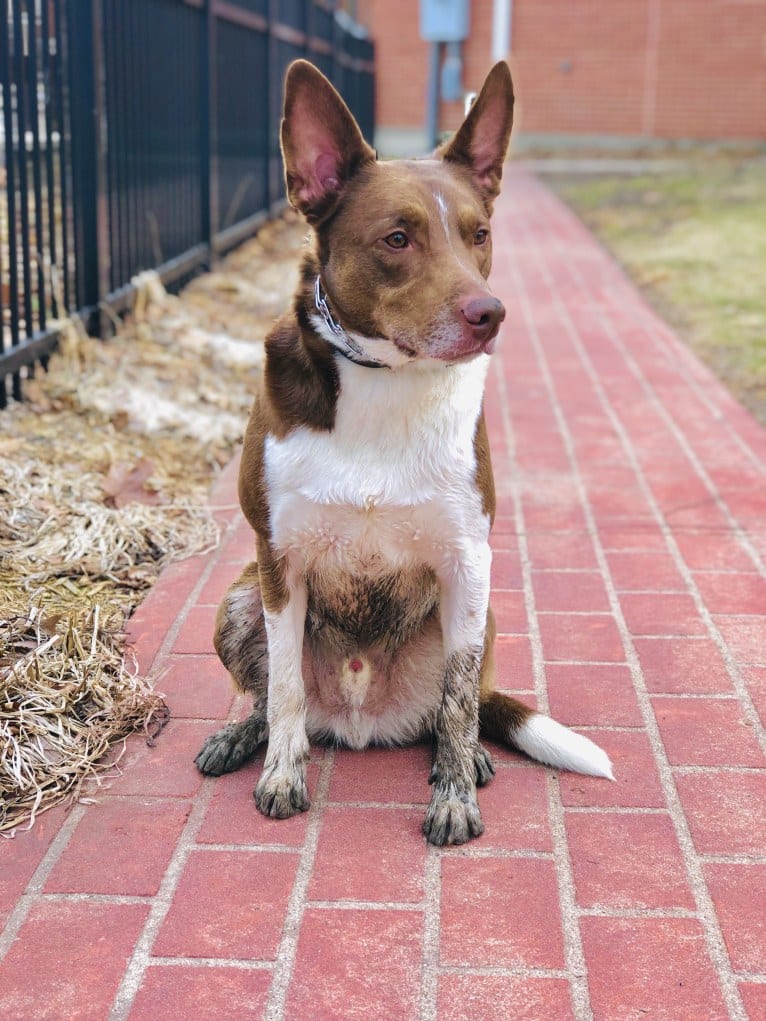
[366, 474]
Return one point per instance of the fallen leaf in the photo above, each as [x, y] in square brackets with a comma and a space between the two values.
[125, 484]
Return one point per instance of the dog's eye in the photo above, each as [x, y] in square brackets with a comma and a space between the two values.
[481, 235]
[397, 240]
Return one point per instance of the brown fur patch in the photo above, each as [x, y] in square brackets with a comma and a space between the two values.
[485, 479]
[386, 611]
[500, 716]
[487, 679]
[300, 378]
[252, 484]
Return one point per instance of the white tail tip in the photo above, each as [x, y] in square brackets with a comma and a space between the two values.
[547, 741]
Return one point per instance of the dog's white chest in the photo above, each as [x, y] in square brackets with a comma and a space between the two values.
[393, 483]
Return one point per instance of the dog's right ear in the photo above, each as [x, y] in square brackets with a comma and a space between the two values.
[322, 145]
[481, 142]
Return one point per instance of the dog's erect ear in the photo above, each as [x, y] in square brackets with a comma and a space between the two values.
[322, 145]
[481, 141]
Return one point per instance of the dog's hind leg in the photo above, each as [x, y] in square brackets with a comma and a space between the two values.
[240, 641]
[484, 766]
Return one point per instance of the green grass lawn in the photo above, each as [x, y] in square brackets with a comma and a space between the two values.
[694, 239]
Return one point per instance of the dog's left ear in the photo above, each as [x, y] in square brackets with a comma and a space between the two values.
[322, 145]
[481, 141]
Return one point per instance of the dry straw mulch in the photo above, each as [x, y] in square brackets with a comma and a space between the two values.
[104, 473]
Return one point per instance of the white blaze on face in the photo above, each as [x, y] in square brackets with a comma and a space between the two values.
[441, 205]
[458, 250]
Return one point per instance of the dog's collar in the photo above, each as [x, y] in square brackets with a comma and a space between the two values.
[346, 345]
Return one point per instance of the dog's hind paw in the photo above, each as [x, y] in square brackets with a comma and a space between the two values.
[230, 748]
[280, 795]
[452, 818]
[485, 769]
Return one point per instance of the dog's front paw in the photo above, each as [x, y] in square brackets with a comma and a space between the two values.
[452, 817]
[282, 794]
[231, 747]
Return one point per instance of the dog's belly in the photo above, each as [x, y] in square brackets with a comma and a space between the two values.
[373, 656]
[373, 694]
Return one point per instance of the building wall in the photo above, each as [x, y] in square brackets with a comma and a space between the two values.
[651, 68]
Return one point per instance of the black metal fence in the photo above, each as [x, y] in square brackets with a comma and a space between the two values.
[142, 134]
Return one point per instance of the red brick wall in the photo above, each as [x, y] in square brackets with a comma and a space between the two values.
[657, 68]
[579, 66]
[711, 73]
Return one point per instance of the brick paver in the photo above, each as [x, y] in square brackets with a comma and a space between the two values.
[630, 590]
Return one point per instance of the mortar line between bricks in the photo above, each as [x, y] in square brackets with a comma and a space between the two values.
[512, 971]
[598, 912]
[39, 877]
[733, 859]
[160, 905]
[746, 702]
[691, 696]
[713, 936]
[607, 728]
[613, 810]
[296, 905]
[582, 662]
[97, 898]
[463, 851]
[393, 805]
[574, 956]
[365, 905]
[210, 962]
[432, 892]
[247, 848]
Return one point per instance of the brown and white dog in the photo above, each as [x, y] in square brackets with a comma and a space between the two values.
[366, 474]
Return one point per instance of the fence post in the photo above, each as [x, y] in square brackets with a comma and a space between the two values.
[209, 132]
[88, 149]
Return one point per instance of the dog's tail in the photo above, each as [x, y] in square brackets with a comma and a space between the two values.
[505, 719]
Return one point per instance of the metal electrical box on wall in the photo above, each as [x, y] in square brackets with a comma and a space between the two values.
[444, 21]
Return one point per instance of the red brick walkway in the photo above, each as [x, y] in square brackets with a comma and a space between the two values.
[630, 589]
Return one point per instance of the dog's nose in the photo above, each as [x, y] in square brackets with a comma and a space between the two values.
[484, 316]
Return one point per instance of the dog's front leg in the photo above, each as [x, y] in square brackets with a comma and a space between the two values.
[281, 790]
[453, 816]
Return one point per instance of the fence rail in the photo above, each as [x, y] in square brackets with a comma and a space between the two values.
[142, 134]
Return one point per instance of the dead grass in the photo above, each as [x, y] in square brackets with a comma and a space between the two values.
[67, 696]
[104, 474]
[694, 239]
